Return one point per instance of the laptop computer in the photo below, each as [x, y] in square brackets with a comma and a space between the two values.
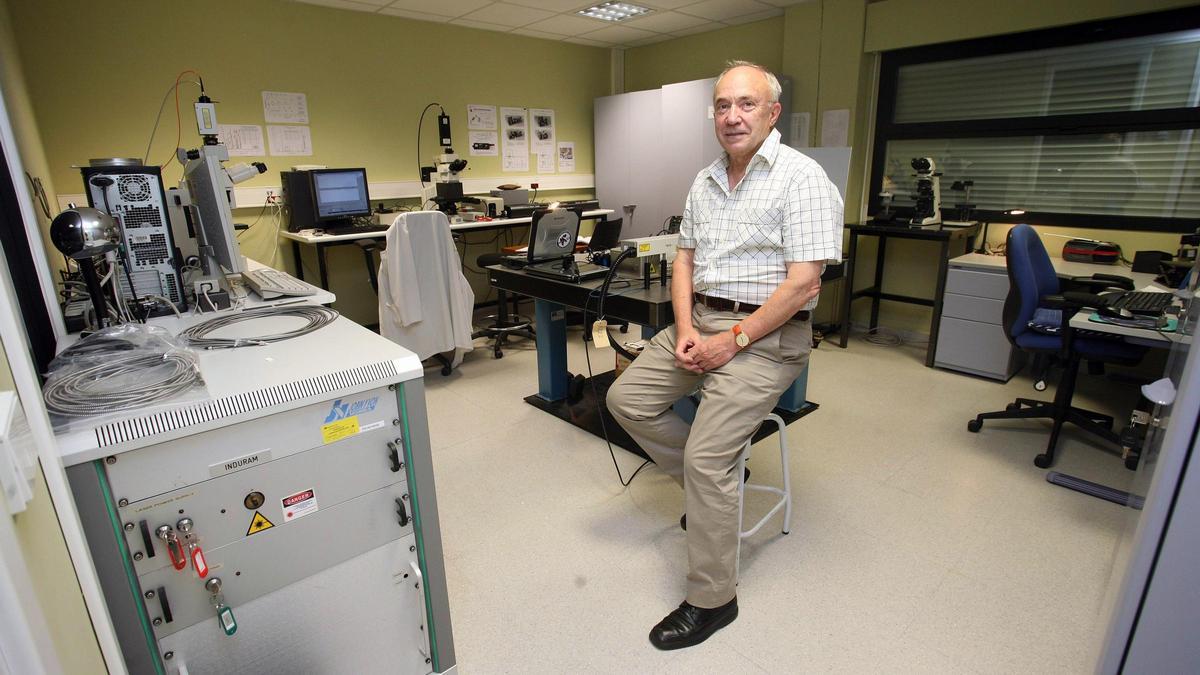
[552, 237]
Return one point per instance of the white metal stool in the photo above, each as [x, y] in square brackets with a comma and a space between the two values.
[784, 493]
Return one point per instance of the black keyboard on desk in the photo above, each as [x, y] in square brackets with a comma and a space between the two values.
[365, 230]
[1147, 303]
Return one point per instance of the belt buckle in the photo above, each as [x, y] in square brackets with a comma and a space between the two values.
[736, 306]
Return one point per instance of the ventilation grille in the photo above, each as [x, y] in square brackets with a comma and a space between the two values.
[133, 187]
[152, 251]
[127, 430]
[140, 216]
[173, 289]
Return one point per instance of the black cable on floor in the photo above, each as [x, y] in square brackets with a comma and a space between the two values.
[599, 409]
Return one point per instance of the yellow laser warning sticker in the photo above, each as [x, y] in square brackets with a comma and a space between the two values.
[258, 524]
[643, 248]
[339, 429]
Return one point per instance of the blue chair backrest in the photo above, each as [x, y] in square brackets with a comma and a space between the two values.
[1031, 276]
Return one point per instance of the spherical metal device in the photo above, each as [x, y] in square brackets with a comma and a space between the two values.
[81, 227]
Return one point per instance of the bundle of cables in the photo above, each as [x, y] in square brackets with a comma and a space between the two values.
[316, 317]
[118, 369]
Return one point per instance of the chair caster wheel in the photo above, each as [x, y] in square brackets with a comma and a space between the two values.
[1131, 462]
[1012, 407]
[446, 371]
[497, 354]
[1040, 385]
[974, 426]
[625, 329]
[1043, 461]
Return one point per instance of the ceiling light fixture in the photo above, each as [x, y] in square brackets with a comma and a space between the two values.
[614, 11]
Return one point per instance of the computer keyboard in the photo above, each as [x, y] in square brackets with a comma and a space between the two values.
[365, 230]
[1148, 303]
[270, 283]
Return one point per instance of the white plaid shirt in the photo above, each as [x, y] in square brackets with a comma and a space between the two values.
[784, 210]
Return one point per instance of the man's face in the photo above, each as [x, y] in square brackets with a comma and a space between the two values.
[743, 112]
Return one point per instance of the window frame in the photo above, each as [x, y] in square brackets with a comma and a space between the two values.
[1167, 119]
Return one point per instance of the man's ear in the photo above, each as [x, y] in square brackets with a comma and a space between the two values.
[776, 110]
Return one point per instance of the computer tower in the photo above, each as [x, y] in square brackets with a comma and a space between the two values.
[133, 195]
[297, 194]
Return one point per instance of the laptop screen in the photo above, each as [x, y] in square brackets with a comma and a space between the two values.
[553, 234]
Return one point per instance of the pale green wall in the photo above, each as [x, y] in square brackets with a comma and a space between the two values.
[42, 544]
[367, 78]
[696, 57]
[830, 48]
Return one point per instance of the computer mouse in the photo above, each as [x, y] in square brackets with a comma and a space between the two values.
[1115, 312]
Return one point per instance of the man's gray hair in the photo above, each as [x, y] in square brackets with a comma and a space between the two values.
[772, 81]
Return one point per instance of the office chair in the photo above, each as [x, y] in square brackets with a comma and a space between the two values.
[1033, 286]
[503, 325]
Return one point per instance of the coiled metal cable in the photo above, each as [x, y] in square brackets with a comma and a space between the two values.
[105, 387]
[316, 315]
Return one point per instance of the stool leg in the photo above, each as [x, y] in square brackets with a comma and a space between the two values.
[741, 473]
[787, 477]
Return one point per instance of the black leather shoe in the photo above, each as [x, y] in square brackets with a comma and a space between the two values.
[689, 625]
[683, 518]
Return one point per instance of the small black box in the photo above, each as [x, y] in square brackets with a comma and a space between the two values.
[1149, 261]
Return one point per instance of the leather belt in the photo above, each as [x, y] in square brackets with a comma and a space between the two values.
[726, 305]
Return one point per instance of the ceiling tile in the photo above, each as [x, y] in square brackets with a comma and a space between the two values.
[710, 26]
[720, 10]
[652, 40]
[343, 4]
[440, 7]
[664, 4]
[757, 16]
[590, 43]
[503, 14]
[621, 35]
[665, 22]
[566, 24]
[419, 16]
[556, 5]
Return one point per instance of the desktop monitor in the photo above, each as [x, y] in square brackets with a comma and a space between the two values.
[339, 194]
[552, 234]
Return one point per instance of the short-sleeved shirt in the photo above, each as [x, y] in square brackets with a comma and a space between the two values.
[785, 209]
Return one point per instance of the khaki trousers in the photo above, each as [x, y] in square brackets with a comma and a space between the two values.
[701, 457]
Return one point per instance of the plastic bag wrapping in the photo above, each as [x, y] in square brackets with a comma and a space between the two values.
[120, 372]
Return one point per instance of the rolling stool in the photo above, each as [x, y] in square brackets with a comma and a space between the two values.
[502, 326]
[784, 493]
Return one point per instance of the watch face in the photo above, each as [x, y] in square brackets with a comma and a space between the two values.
[742, 340]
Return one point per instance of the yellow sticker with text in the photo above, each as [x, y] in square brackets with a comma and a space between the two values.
[643, 248]
[339, 429]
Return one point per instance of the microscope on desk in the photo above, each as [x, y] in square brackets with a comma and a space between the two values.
[444, 189]
[928, 197]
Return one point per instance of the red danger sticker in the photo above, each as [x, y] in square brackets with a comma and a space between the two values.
[299, 504]
[297, 498]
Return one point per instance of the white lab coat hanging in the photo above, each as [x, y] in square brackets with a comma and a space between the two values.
[425, 302]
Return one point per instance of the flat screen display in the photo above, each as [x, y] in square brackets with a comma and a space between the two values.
[340, 193]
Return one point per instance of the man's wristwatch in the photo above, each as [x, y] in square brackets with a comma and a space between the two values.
[739, 337]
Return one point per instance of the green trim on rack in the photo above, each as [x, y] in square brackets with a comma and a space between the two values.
[127, 563]
[415, 502]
